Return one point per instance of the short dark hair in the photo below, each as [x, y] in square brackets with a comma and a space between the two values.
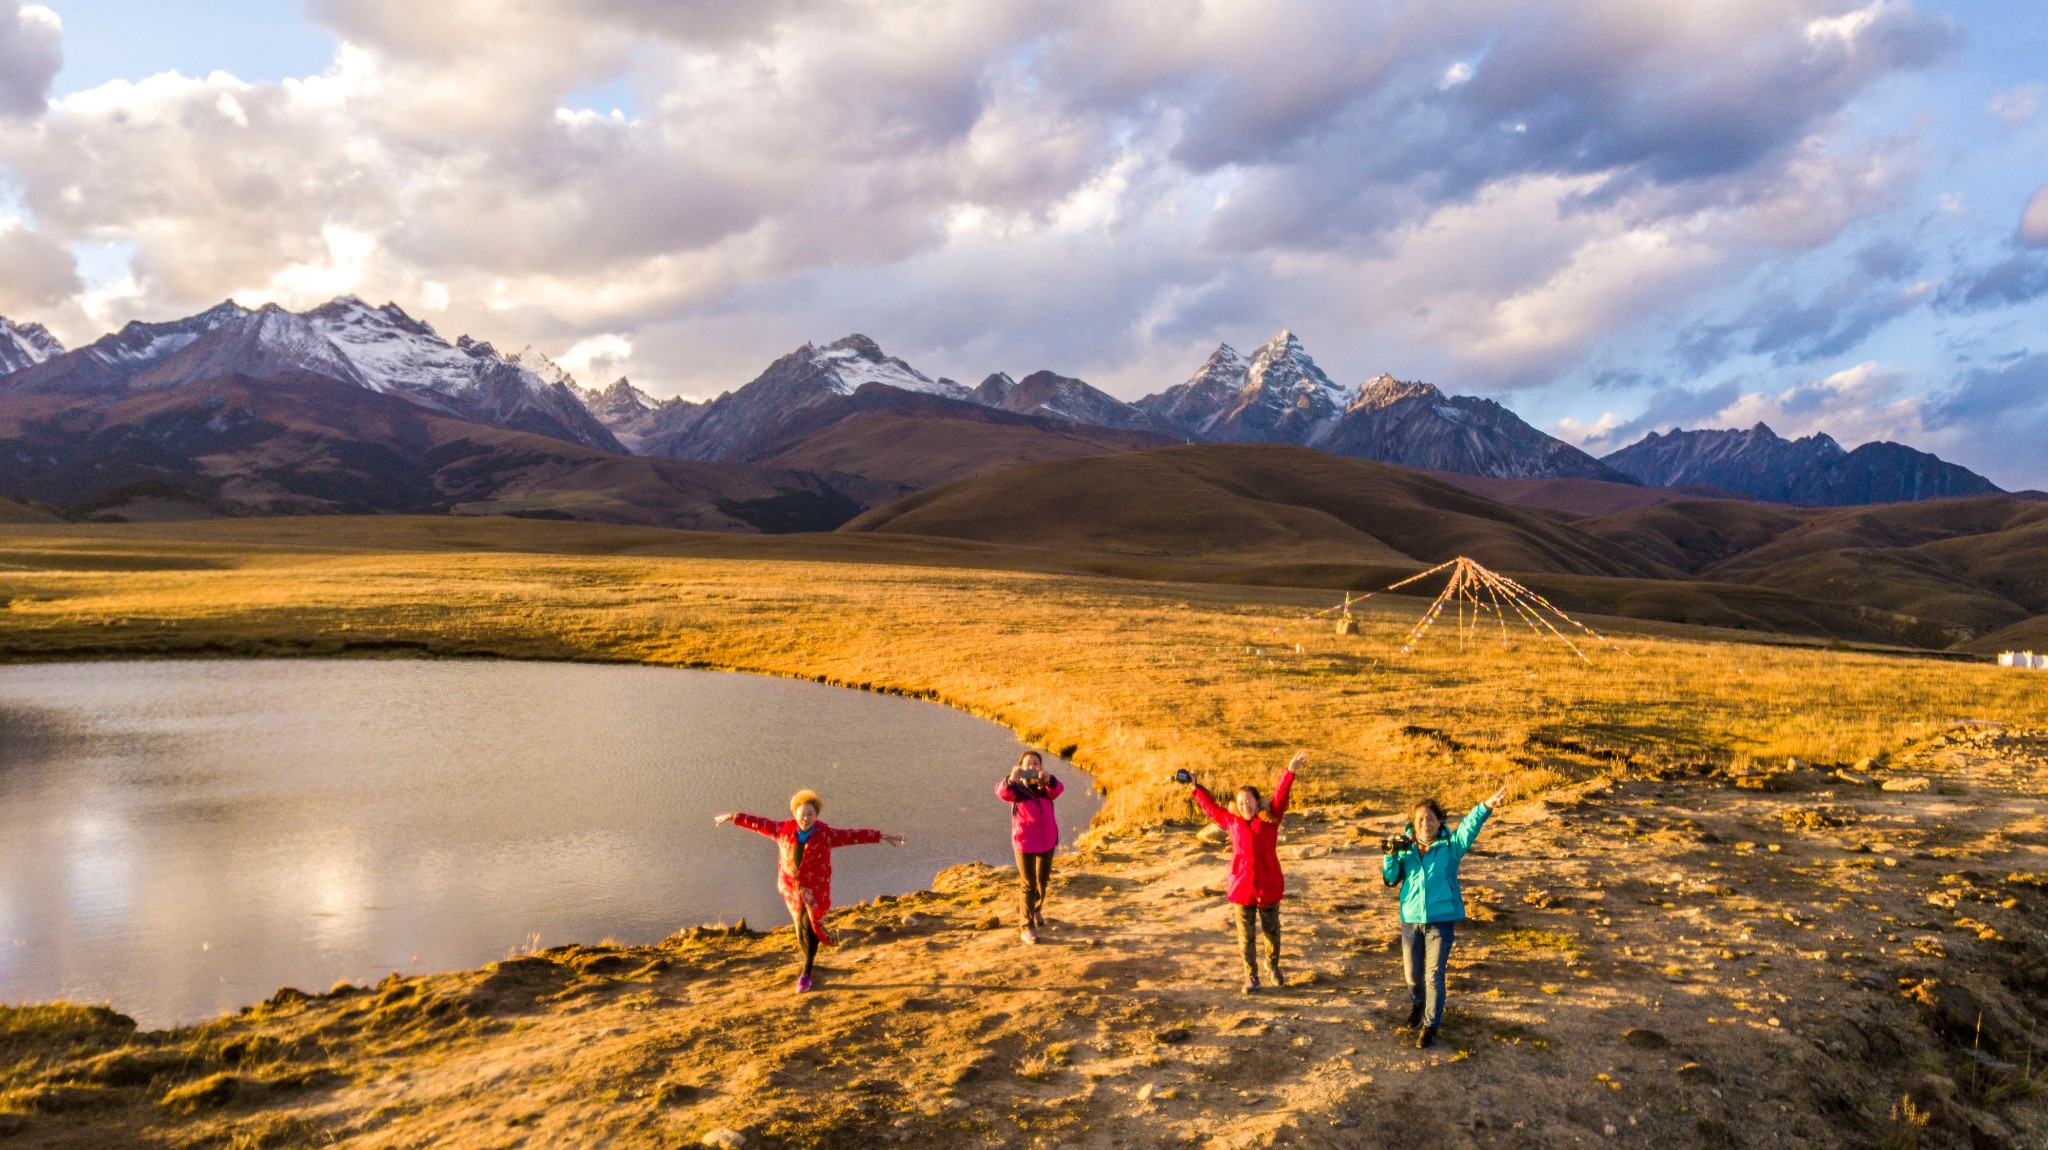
[1429, 804]
[1256, 796]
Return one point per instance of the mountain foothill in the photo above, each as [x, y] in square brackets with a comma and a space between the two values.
[1258, 468]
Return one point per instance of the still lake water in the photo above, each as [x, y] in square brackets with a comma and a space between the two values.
[183, 838]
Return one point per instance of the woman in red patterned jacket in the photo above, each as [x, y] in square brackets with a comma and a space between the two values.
[1255, 884]
[805, 871]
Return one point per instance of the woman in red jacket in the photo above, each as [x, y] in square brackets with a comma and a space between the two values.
[1035, 832]
[805, 871]
[1255, 883]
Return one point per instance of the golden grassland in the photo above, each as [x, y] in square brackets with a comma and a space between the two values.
[1134, 679]
[1659, 954]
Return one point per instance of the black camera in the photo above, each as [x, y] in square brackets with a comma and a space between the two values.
[1183, 777]
[1395, 844]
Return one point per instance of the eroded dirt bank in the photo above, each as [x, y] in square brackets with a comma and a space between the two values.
[1786, 958]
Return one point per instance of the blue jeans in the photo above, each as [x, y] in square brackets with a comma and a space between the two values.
[1425, 952]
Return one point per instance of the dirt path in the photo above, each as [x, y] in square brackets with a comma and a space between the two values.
[1778, 960]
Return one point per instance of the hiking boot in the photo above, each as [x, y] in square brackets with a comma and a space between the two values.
[1426, 1039]
[1414, 1017]
[1251, 983]
[803, 983]
[1028, 936]
[1278, 978]
[1038, 921]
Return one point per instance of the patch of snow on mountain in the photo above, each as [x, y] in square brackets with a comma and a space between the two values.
[534, 360]
[25, 345]
[393, 351]
[140, 343]
[856, 361]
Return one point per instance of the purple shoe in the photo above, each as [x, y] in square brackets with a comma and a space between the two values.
[803, 983]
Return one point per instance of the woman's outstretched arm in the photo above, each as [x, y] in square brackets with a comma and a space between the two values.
[1216, 814]
[755, 823]
[861, 837]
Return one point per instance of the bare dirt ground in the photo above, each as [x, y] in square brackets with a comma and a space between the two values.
[1778, 958]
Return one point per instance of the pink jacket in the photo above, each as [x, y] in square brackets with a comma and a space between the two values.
[1033, 827]
[1255, 878]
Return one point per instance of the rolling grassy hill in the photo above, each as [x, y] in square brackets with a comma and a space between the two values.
[1269, 502]
[311, 445]
[1944, 572]
[1970, 573]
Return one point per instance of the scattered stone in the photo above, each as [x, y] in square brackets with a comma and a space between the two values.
[1643, 1039]
[1909, 784]
[1211, 834]
[1859, 778]
[1869, 763]
[1145, 1092]
[1694, 1072]
[1173, 1035]
[724, 1138]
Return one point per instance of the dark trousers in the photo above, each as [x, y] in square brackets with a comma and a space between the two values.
[1253, 921]
[807, 941]
[1034, 877]
[1425, 953]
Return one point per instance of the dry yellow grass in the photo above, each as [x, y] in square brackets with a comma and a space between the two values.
[1136, 679]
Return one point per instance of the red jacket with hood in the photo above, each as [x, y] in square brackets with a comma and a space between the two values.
[807, 885]
[1255, 878]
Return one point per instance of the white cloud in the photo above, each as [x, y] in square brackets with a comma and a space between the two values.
[2016, 105]
[1102, 187]
[598, 359]
[31, 51]
[2034, 218]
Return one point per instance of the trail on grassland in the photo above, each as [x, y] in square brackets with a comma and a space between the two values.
[1781, 957]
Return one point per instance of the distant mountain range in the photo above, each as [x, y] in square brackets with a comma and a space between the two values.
[1814, 471]
[844, 418]
[381, 349]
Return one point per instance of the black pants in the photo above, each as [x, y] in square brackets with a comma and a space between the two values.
[1034, 878]
[807, 941]
[1253, 921]
[1425, 952]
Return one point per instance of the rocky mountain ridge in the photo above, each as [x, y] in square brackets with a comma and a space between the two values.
[25, 345]
[1276, 395]
[1811, 471]
[381, 349]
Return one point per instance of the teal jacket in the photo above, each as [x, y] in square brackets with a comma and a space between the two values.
[1429, 878]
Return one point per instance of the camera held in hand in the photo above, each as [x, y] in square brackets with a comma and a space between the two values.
[1183, 777]
[1395, 844]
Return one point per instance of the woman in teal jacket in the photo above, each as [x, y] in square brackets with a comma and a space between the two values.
[1423, 862]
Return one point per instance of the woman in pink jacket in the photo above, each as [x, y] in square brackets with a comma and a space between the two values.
[1035, 832]
[1255, 884]
[804, 872]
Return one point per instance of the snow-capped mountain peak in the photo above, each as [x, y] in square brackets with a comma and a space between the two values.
[536, 361]
[856, 360]
[1282, 367]
[1383, 390]
[25, 345]
[379, 348]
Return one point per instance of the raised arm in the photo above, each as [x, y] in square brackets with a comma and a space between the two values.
[1393, 867]
[1286, 787]
[757, 824]
[1468, 827]
[1216, 814]
[1053, 787]
[1006, 790]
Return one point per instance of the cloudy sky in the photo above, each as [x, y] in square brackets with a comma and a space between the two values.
[1612, 215]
